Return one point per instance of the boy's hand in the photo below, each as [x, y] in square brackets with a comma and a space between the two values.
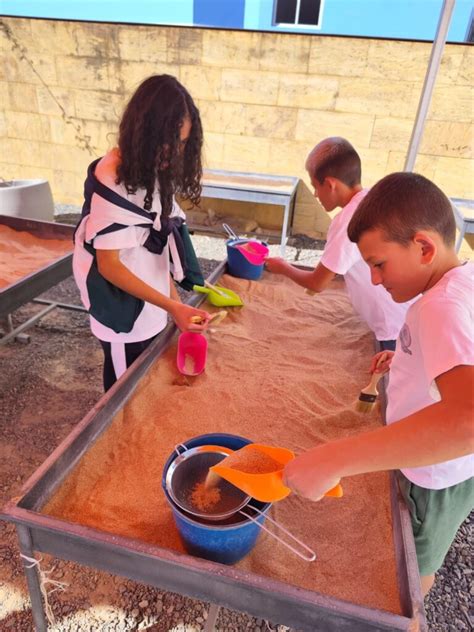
[186, 317]
[384, 366]
[277, 265]
[311, 474]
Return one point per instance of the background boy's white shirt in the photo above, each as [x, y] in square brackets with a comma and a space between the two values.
[437, 336]
[151, 268]
[372, 302]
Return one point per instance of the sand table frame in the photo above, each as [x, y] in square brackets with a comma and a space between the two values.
[23, 253]
[286, 369]
[34, 256]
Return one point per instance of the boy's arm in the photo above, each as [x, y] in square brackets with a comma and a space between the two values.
[315, 280]
[437, 433]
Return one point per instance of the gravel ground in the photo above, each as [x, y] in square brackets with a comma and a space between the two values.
[46, 387]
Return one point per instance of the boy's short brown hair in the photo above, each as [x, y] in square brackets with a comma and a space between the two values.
[400, 205]
[337, 158]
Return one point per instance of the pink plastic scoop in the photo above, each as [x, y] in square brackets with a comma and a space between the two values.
[254, 251]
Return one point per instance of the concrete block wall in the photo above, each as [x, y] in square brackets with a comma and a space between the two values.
[265, 100]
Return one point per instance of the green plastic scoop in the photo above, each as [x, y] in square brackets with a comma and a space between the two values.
[220, 296]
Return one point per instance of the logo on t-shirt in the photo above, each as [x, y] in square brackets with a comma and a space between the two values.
[405, 339]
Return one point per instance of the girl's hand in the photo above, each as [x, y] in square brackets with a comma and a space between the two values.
[189, 318]
[384, 366]
[310, 476]
[277, 265]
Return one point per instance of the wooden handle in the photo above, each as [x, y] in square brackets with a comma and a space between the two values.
[374, 380]
[215, 289]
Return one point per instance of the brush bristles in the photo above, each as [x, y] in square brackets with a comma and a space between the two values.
[365, 406]
[366, 402]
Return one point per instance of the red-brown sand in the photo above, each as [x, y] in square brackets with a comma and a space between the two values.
[22, 253]
[284, 370]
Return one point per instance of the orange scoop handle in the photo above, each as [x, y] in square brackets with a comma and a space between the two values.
[266, 487]
[285, 456]
[335, 492]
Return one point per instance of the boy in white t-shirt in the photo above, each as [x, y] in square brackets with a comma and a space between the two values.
[334, 168]
[405, 230]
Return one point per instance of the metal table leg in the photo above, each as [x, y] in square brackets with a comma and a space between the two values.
[7, 324]
[16, 333]
[284, 229]
[462, 232]
[31, 321]
[33, 580]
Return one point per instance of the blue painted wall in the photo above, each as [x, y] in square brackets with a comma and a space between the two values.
[404, 19]
[223, 14]
[397, 19]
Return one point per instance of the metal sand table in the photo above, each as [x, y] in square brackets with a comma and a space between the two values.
[182, 573]
[254, 187]
[30, 286]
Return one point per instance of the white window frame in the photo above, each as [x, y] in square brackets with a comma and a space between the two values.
[295, 25]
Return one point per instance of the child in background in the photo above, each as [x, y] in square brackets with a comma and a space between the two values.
[334, 169]
[405, 231]
[131, 224]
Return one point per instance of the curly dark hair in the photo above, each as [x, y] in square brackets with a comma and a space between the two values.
[151, 151]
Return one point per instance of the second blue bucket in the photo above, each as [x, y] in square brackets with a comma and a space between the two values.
[239, 265]
[228, 541]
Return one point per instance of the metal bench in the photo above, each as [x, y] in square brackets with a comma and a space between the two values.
[254, 187]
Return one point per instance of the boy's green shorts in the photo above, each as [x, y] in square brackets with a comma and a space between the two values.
[436, 515]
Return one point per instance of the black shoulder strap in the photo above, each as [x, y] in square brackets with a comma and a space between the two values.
[93, 185]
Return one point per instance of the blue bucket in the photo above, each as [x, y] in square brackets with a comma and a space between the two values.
[226, 541]
[239, 265]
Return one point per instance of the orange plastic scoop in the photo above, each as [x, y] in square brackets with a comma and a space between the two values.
[258, 471]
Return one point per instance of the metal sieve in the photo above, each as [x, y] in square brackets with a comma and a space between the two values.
[190, 468]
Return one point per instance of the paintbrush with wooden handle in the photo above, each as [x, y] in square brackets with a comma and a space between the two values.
[368, 395]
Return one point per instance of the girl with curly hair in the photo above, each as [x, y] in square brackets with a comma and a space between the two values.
[130, 238]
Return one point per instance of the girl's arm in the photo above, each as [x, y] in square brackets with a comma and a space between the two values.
[174, 295]
[437, 433]
[112, 269]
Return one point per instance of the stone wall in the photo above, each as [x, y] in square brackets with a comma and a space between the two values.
[265, 100]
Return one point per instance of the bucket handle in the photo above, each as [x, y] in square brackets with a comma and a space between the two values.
[177, 446]
[307, 558]
[229, 231]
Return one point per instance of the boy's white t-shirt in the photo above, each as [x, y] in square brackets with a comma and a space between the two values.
[153, 269]
[372, 302]
[437, 336]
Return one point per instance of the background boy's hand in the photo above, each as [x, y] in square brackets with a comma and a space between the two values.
[383, 366]
[309, 475]
[277, 265]
[184, 315]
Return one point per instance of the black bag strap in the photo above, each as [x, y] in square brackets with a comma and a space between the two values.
[157, 240]
[93, 185]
